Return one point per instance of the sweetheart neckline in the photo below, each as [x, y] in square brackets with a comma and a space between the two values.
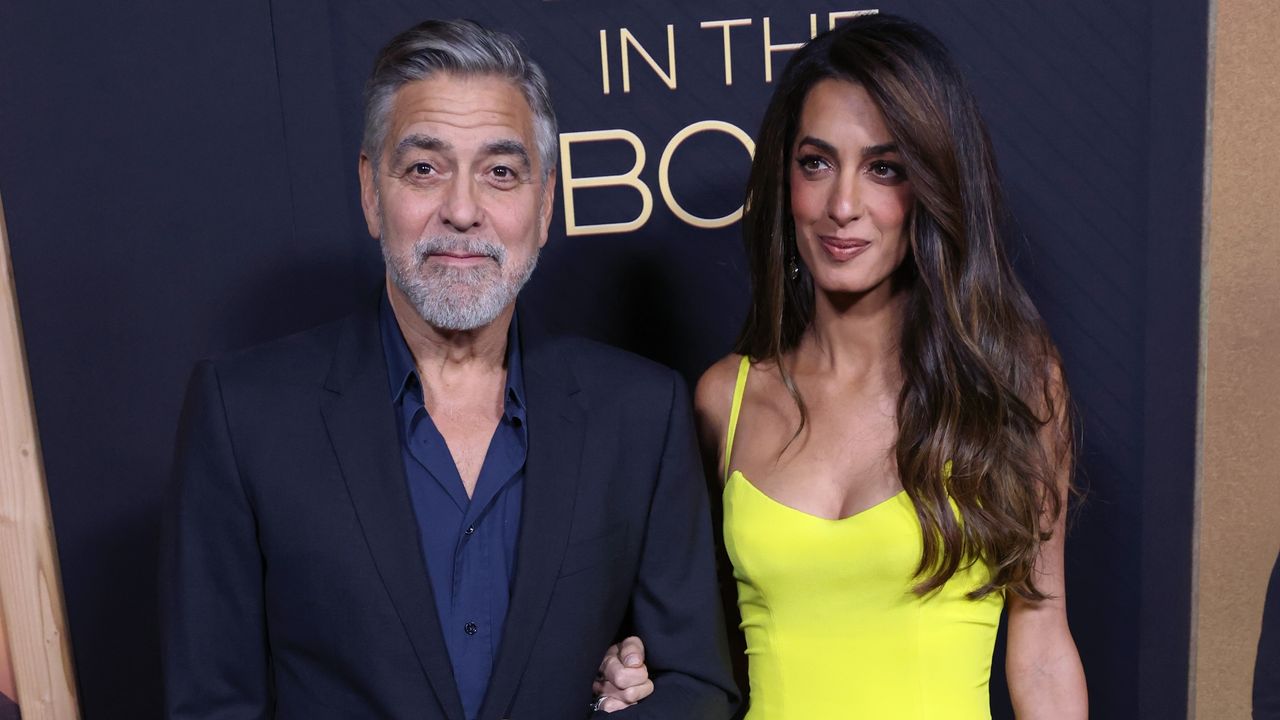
[741, 476]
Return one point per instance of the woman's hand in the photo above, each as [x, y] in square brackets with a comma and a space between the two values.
[623, 679]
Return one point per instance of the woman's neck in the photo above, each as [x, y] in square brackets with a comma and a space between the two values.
[854, 336]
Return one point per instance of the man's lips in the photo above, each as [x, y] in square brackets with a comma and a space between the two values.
[458, 257]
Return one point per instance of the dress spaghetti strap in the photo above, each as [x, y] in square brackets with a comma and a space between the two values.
[739, 387]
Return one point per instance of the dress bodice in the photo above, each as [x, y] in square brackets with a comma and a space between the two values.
[832, 624]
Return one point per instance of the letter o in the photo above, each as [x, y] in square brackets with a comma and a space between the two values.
[664, 167]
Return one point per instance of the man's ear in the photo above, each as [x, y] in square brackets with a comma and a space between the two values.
[548, 205]
[369, 197]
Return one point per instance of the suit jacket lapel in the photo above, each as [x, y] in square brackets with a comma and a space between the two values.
[357, 412]
[556, 425]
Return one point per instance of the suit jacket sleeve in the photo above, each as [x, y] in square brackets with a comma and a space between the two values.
[214, 649]
[1266, 671]
[676, 606]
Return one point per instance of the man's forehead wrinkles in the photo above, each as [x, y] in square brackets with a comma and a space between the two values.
[503, 143]
[462, 117]
[464, 103]
[488, 128]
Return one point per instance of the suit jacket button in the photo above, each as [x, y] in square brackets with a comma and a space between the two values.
[470, 628]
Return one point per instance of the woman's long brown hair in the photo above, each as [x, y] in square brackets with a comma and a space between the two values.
[981, 387]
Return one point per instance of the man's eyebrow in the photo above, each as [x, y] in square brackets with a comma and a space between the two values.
[510, 147]
[419, 141]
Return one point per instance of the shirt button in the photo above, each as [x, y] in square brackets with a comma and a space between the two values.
[471, 530]
[470, 628]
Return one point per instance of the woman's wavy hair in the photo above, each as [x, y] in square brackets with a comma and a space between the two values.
[982, 395]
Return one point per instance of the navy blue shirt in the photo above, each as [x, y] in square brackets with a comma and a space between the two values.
[469, 543]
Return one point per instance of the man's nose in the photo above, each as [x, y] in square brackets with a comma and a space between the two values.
[461, 209]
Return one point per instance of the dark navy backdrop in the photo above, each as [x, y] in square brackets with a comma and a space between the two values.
[180, 179]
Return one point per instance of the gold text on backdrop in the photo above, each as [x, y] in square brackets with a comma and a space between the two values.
[626, 45]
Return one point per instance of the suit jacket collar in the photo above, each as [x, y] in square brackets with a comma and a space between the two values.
[557, 424]
[361, 425]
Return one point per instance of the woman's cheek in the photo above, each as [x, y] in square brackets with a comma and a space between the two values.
[806, 198]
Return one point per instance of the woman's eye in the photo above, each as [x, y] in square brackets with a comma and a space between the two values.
[884, 170]
[812, 163]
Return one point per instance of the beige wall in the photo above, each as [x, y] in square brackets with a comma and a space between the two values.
[1239, 493]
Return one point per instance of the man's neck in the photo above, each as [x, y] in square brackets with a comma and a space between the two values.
[463, 375]
[445, 355]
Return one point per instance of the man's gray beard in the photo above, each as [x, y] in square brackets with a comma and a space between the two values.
[457, 298]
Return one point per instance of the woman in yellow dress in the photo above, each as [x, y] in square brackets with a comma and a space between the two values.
[892, 432]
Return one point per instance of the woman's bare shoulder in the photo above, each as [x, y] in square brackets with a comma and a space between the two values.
[713, 397]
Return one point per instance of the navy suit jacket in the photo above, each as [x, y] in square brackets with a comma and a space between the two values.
[1266, 669]
[293, 584]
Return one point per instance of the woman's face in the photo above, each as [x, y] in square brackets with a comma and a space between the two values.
[850, 196]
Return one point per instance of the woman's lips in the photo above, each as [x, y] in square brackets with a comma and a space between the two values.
[843, 249]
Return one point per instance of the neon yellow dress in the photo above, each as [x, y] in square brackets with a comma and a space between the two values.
[833, 629]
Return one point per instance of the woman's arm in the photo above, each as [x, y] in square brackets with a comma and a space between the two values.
[1046, 679]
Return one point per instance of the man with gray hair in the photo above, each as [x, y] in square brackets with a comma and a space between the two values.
[431, 509]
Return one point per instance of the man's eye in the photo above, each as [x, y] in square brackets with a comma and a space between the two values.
[502, 172]
[421, 169]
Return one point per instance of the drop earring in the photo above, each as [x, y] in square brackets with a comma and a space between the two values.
[793, 269]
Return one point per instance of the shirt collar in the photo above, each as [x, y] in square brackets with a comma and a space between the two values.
[402, 371]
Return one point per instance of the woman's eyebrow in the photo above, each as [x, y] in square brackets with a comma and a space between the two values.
[868, 151]
[881, 149]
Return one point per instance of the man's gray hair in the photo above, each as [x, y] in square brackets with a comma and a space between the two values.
[460, 47]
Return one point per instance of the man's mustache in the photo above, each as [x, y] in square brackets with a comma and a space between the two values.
[459, 245]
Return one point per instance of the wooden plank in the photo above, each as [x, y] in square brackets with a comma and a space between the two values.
[30, 585]
[1239, 485]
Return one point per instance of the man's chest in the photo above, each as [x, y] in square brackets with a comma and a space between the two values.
[467, 437]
